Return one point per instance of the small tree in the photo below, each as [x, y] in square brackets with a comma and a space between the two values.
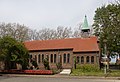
[75, 62]
[34, 63]
[46, 64]
[59, 65]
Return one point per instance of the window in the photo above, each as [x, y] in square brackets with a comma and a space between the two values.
[39, 58]
[92, 59]
[47, 56]
[60, 59]
[30, 56]
[36, 58]
[42, 57]
[78, 59]
[68, 58]
[87, 59]
[51, 58]
[55, 58]
[82, 59]
[64, 58]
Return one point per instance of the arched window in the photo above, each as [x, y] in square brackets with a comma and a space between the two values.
[78, 59]
[82, 59]
[68, 58]
[64, 58]
[39, 58]
[92, 59]
[55, 58]
[47, 56]
[36, 58]
[30, 56]
[42, 57]
[59, 58]
[87, 59]
[51, 58]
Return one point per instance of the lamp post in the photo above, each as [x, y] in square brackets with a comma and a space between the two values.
[105, 48]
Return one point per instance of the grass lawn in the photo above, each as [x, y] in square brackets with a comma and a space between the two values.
[78, 72]
[115, 73]
[93, 70]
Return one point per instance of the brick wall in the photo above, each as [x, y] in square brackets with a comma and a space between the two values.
[61, 53]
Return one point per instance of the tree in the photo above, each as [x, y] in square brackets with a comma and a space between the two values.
[63, 32]
[77, 31]
[17, 31]
[13, 52]
[107, 28]
[46, 34]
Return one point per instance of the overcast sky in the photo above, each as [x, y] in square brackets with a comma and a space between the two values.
[38, 14]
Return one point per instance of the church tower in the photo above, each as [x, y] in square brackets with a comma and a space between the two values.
[85, 30]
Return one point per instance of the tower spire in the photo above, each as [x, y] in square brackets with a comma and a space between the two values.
[85, 30]
[85, 24]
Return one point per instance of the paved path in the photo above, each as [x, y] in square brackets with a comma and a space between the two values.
[46, 79]
[65, 72]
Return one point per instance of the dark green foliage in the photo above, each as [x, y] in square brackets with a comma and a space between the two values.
[12, 52]
[46, 64]
[59, 65]
[75, 63]
[107, 27]
[34, 63]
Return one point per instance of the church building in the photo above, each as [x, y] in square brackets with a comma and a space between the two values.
[85, 49]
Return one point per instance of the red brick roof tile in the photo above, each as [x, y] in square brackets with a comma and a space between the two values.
[77, 44]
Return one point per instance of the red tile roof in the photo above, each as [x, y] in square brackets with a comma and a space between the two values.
[77, 44]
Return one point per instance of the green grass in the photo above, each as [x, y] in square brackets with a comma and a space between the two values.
[114, 73]
[89, 70]
[79, 72]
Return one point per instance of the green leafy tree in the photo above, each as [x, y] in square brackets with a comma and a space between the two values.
[107, 28]
[13, 52]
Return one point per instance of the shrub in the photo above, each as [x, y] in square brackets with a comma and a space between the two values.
[59, 65]
[46, 64]
[88, 68]
[34, 63]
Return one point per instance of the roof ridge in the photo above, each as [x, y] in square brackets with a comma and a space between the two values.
[61, 39]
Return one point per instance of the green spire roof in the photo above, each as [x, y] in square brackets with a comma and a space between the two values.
[85, 24]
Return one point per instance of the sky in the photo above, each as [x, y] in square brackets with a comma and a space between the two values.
[37, 14]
